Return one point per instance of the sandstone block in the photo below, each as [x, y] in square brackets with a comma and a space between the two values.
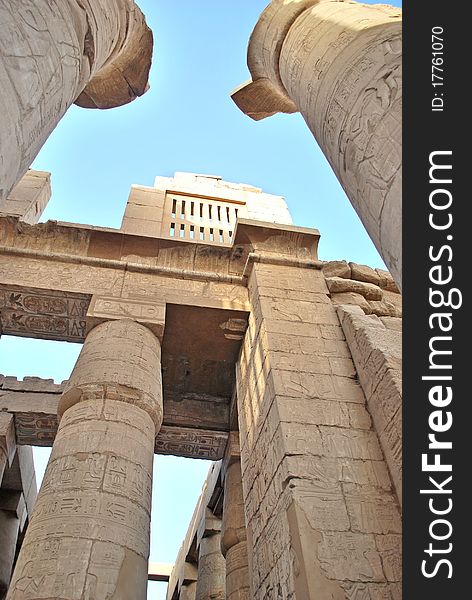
[386, 281]
[368, 290]
[351, 298]
[384, 308]
[350, 556]
[337, 268]
[364, 273]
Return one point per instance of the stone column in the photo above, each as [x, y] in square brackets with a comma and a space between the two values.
[89, 533]
[96, 53]
[323, 522]
[233, 532]
[12, 516]
[339, 64]
[211, 563]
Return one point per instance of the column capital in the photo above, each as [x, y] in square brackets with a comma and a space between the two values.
[120, 360]
[265, 95]
[108, 308]
[123, 76]
[209, 525]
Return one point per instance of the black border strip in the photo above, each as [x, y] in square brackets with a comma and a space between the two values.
[427, 131]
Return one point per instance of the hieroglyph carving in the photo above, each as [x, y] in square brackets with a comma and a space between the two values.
[45, 314]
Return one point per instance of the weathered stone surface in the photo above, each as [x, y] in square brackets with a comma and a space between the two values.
[337, 268]
[364, 273]
[315, 482]
[9, 529]
[118, 361]
[233, 535]
[46, 314]
[394, 323]
[90, 529]
[29, 197]
[376, 347]
[351, 298]
[386, 281]
[316, 486]
[368, 290]
[211, 581]
[191, 428]
[94, 505]
[339, 64]
[96, 54]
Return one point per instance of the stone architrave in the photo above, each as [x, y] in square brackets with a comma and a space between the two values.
[339, 64]
[233, 535]
[89, 534]
[96, 53]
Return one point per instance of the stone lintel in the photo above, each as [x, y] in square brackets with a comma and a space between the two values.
[114, 249]
[124, 75]
[29, 197]
[264, 94]
[43, 313]
[279, 240]
[159, 571]
[33, 420]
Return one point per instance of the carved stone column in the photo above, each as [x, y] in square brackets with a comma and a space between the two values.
[339, 64]
[211, 563]
[12, 515]
[89, 533]
[96, 53]
[233, 527]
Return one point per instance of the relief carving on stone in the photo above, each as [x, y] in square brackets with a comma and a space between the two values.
[44, 314]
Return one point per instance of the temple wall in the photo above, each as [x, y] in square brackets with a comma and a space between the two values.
[322, 515]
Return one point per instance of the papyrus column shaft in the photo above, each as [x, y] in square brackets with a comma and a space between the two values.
[56, 52]
[233, 535]
[211, 569]
[339, 64]
[89, 533]
[9, 526]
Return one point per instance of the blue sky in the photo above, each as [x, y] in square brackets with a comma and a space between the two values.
[185, 122]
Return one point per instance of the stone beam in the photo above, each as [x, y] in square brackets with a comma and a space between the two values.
[159, 571]
[54, 53]
[29, 197]
[191, 428]
[339, 64]
[45, 314]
